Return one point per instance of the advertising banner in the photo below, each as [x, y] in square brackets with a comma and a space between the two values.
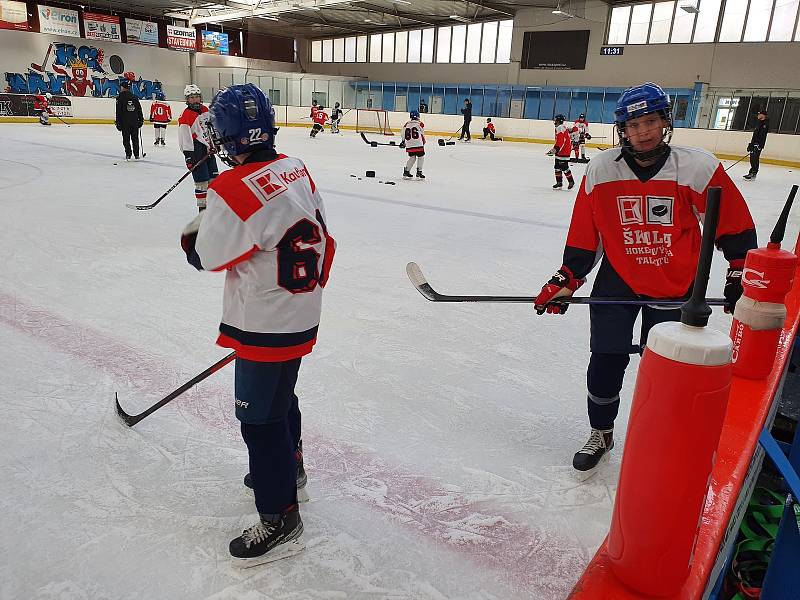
[13, 15]
[215, 42]
[141, 32]
[181, 38]
[101, 27]
[21, 105]
[59, 21]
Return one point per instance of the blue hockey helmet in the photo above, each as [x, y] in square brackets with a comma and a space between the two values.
[241, 120]
[641, 100]
[638, 101]
[414, 114]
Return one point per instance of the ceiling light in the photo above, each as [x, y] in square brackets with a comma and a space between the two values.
[558, 11]
[690, 8]
[460, 19]
[268, 18]
[400, 2]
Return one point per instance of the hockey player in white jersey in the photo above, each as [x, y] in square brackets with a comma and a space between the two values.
[265, 229]
[194, 143]
[414, 140]
[336, 117]
[581, 127]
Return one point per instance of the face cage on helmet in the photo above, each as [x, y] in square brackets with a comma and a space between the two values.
[656, 152]
[219, 145]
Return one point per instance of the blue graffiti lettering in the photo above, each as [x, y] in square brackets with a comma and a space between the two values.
[64, 54]
[108, 88]
[17, 83]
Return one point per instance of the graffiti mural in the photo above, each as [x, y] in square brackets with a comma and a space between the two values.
[79, 71]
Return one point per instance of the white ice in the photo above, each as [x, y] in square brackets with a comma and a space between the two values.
[438, 437]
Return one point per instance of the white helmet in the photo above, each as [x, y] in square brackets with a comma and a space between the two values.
[191, 89]
[49, 96]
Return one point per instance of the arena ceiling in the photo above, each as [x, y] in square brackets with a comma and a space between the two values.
[321, 18]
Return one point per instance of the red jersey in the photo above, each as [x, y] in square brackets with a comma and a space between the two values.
[160, 112]
[650, 231]
[40, 103]
[319, 116]
[490, 127]
[563, 143]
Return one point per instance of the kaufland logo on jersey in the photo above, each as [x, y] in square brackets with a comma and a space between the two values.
[294, 175]
[266, 184]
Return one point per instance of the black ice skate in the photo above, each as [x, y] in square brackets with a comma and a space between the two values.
[407, 174]
[557, 186]
[272, 538]
[571, 185]
[302, 478]
[750, 176]
[156, 142]
[599, 444]
[162, 143]
[420, 175]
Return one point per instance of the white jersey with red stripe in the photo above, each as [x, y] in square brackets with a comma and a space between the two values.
[581, 127]
[160, 112]
[265, 225]
[193, 126]
[414, 136]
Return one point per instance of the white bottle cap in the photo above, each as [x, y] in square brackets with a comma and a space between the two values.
[690, 345]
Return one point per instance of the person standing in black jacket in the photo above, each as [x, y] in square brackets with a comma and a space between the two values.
[129, 119]
[757, 143]
[467, 112]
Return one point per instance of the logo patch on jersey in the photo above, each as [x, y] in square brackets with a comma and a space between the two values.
[630, 210]
[659, 210]
[265, 184]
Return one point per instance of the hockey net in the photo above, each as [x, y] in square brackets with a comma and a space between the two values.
[373, 120]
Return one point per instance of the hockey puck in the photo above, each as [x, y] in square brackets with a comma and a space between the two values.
[389, 182]
[115, 164]
[392, 143]
[370, 174]
[374, 144]
[450, 143]
[441, 142]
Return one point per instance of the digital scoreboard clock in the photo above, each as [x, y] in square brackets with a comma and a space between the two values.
[611, 50]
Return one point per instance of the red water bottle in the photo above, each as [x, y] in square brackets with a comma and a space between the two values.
[675, 422]
[767, 277]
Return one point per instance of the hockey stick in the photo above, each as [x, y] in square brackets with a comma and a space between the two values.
[131, 420]
[62, 120]
[41, 67]
[376, 144]
[172, 187]
[424, 288]
[141, 143]
[738, 161]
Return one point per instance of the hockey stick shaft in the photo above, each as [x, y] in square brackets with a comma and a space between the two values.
[423, 287]
[141, 143]
[62, 120]
[131, 420]
[738, 161]
[172, 187]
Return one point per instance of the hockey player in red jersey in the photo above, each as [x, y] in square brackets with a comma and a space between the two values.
[319, 116]
[265, 228]
[414, 142]
[160, 116]
[194, 143]
[41, 103]
[581, 127]
[561, 150]
[640, 207]
[489, 131]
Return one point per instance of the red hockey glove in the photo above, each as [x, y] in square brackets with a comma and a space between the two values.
[733, 284]
[561, 285]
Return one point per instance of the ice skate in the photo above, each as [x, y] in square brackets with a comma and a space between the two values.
[273, 537]
[587, 459]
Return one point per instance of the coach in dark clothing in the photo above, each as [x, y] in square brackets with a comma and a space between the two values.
[467, 112]
[129, 119]
[757, 143]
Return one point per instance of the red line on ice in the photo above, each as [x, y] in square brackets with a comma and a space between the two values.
[534, 561]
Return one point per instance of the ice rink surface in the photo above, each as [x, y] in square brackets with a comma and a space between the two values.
[438, 437]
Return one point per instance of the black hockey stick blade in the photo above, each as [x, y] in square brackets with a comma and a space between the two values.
[131, 420]
[423, 287]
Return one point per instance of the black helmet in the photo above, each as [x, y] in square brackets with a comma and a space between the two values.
[581, 117]
[558, 119]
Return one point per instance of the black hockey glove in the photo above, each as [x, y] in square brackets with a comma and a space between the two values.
[587, 136]
[189, 156]
[733, 284]
[188, 240]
